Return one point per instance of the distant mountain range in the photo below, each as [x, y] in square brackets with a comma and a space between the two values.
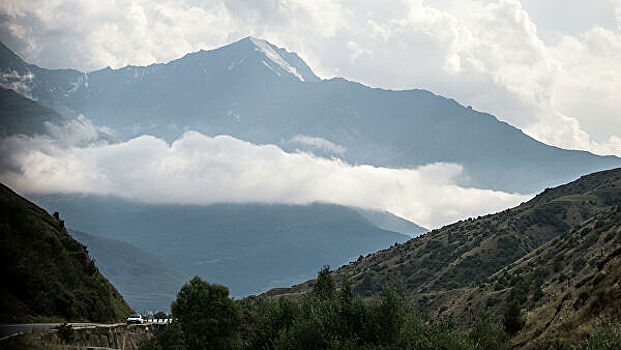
[255, 91]
[558, 255]
[20, 115]
[146, 282]
[247, 247]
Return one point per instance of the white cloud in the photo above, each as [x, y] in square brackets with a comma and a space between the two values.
[196, 169]
[90, 35]
[19, 83]
[317, 143]
[488, 54]
[73, 132]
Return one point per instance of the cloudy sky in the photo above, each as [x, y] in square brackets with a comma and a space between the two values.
[552, 67]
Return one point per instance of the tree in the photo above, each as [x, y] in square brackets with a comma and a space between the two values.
[171, 337]
[391, 311]
[207, 316]
[324, 287]
[512, 320]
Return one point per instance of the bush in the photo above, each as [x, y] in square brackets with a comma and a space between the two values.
[512, 318]
[486, 335]
[65, 333]
[170, 337]
[605, 338]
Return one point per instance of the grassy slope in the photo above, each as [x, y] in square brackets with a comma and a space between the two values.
[46, 274]
[581, 271]
[466, 267]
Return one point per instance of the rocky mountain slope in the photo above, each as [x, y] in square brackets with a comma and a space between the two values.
[254, 91]
[558, 255]
[576, 280]
[45, 273]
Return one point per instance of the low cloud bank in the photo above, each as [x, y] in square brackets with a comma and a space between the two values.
[197, 169]
[317, 143]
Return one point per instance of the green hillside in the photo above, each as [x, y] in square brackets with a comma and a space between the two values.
[557, 254]
[145, 280]
[46, 274]
[576, 282]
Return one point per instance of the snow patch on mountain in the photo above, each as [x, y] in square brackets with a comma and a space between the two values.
[268, 50]
[272, 69]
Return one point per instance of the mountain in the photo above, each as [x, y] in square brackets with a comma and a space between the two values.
[53, 85]
[389, 222]
[247, 247]
[20, 115]
[146, 282]
[252, 90]
[558, 254]
[579, 274]
[46, 274]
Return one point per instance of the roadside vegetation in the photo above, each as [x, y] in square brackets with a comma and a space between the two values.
[330, 318]
[326, 318]
[543, 275]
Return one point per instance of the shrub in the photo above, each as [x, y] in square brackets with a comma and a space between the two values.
[65, 333]
[605, 338]
[484, 335]
[512, 317]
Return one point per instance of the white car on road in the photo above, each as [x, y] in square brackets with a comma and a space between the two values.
[136, 319]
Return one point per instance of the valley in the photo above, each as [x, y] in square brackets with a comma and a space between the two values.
[254, 202]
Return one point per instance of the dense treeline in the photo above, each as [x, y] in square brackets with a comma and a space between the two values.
[326, 318]
[331, 319]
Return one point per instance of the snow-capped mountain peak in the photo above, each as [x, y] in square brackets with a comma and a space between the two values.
[281, 61]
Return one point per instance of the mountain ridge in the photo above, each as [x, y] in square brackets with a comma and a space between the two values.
[387, 128]
[524, 228]
[557, 255]
[248, 247]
